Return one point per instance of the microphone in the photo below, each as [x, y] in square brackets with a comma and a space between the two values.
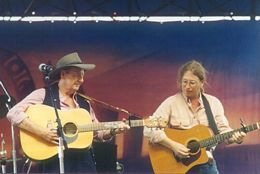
[46, 69]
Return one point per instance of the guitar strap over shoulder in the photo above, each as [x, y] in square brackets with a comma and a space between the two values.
[209, 113]
[55, 89]
[47, 99]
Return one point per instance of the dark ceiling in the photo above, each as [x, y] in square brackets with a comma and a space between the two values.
[130, 7]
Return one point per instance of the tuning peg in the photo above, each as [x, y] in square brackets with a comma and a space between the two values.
[243, 125]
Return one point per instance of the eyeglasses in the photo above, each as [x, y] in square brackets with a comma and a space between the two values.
[192, 83]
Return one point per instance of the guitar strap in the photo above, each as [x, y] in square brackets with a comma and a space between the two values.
[209, 113]
[47, 100]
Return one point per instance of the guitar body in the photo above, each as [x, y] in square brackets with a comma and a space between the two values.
[163, 159]
[39, 149]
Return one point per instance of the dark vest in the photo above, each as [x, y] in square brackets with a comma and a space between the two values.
[75, 160]
[55, 89]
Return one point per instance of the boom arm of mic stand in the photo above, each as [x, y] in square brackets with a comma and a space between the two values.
[90, 99]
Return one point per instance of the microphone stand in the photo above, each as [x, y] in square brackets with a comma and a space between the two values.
[3, 153]
[117, 109]
[131, 116]
[62, 141]
[8, 106]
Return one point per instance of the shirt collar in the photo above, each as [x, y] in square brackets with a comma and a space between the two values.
[63, 98]
[189, 103]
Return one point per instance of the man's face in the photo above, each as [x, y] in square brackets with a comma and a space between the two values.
[191, 85]
[72, 78]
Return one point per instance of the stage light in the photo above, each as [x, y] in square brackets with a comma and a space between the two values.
[121, 18]
[7, 18]
[15, 18]
[84, 18]
[134, 18]
[103, 18]
[71, 18]
[194, 18]
[215, 18]
[168, 18]
[241, 18]
[142, 18]
[32, 19]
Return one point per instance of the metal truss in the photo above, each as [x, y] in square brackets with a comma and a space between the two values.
[130, 7]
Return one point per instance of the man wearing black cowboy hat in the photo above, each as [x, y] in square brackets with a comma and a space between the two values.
[67, 78]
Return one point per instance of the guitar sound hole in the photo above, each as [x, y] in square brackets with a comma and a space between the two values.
[194, 146]
[70, 128]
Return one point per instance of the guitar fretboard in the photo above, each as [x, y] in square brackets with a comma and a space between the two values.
[108, 125]
[136, 123]
[222, 137]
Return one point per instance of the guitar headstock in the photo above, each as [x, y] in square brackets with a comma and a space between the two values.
[155, 122]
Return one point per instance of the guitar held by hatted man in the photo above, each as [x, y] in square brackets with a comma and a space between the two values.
[78, 130]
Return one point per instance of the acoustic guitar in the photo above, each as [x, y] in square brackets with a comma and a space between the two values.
[77, 127]
[197, 139]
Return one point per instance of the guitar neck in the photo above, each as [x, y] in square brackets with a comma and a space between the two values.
[222, 137]
[108, 125]
[136, 123]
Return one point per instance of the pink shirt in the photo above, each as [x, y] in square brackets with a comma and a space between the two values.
[178, 110]
[17, 113]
